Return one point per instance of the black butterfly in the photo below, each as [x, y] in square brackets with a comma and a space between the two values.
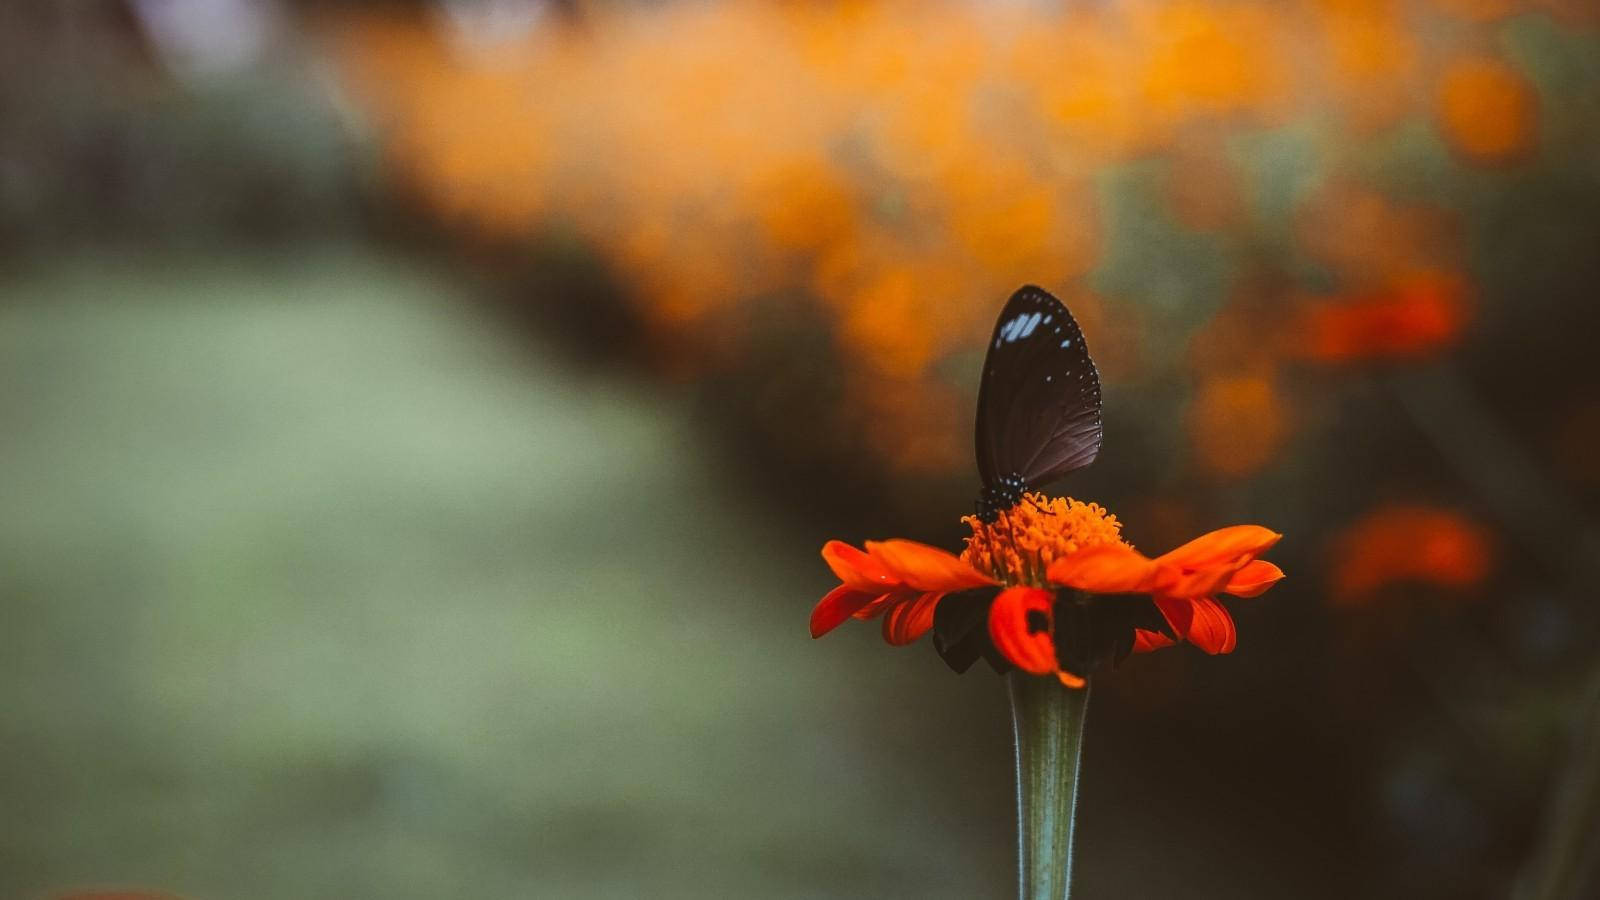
[1038, 403]
[1038, 419]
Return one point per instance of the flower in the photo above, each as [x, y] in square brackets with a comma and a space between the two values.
[1408, 542]
[1413, 316]
[1045, 578]
[1183, 583]
[903, 581]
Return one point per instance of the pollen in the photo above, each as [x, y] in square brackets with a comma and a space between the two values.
[1022, 542]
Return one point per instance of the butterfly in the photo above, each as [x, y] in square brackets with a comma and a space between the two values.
[1038, 419]
[1038, 401]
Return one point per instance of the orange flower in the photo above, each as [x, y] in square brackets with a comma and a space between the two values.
[1413, 316]
[1405, 542]
[900, 580]
[1039, 576]
[1182, 582]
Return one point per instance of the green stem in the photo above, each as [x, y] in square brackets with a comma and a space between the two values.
[1047, 720]
[1564, 865]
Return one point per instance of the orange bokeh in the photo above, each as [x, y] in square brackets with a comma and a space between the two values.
[1487, 110]
[1237, 423]
[1209, 57]
[1415, 315]
[1403, 543]
[1368, 238]
[1372, 55]
[905, 166]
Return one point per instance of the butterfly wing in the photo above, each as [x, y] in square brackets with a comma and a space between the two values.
[1039, 400]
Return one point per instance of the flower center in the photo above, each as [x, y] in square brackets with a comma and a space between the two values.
[1022, 542]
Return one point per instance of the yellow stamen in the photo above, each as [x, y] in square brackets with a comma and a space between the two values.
[1019, 545]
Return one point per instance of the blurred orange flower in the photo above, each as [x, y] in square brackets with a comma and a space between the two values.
[1371, 51]
[1487, 110]
[1368, 238]
[1408, 543]
[1237, 423]
[1415, 315]
[1210, 57]
[896, 164]
[1011, 575]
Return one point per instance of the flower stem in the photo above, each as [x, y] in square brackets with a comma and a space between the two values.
[1047, 720]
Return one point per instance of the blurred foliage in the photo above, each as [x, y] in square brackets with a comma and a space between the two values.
[343, 597]
[98, 143]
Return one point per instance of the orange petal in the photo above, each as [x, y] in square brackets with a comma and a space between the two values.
[876, 607]
[1106, 569]
[856, 569]
[911, 619]
[925, 568]
[1201, 621]
[1202, 581]
[1221, 546]
[1212, 630]
[1178, 611]
[1069, 679]
[840, 603]
[1031, 650]
[1146, 641]
[1254, 579]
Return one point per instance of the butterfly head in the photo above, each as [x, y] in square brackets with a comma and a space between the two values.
[1000, 495]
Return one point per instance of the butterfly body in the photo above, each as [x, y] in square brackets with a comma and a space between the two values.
[1038, 401]
[1004, 493]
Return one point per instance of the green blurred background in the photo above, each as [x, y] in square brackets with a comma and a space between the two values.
[419, 422]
